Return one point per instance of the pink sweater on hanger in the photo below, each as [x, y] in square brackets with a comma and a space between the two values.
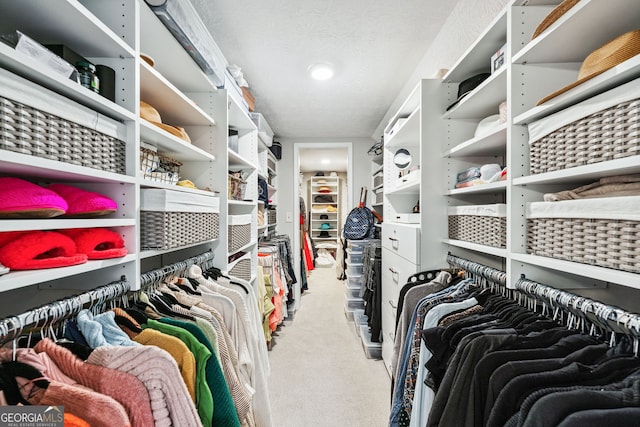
[123, 387]
[158, 371]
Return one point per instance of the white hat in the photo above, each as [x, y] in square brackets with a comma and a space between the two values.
[486, 125]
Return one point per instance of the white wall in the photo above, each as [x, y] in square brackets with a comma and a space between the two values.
[467, 21]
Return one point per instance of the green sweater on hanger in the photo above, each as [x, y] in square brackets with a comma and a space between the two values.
[224, 413]
[204, 398]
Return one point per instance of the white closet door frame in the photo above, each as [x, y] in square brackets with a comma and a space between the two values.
[296, 185]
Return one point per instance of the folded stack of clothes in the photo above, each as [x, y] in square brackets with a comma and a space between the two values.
[610, 186]
[481, 175]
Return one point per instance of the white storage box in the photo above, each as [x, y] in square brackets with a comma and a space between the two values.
[373, 350]
[356, 245]
[481, 224]
[601, 231]
[354, 281]
[264, 130]
[352, 293]
[360, 318]
[355, 257]
[171, 219]
[239, 230]
[354, 269]
[354, 303]
[152, 199]
[348, 311]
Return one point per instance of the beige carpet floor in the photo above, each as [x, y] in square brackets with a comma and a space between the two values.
[320, 376]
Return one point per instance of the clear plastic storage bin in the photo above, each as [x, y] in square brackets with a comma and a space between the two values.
[373, 350]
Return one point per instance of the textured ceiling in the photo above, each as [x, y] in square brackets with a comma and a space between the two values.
[374, 45]
[324, 159]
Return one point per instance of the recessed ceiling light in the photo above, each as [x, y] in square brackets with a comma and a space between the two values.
[321, 71]
[325, 161]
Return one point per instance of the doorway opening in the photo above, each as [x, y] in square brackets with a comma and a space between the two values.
[322, 201]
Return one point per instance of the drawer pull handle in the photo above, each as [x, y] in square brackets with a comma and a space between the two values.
[393, 239]
[395, 307]
[392, 270]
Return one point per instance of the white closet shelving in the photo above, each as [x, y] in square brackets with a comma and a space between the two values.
[25, 81]
[461, 148]
[172, 90]
[324, 224]
[376, 195]
[406, 233]
[115, 35]
[531, 70]
[535, 65]
[534, 68]
[244, 160]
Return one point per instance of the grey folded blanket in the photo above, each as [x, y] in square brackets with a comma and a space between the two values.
[610, 186]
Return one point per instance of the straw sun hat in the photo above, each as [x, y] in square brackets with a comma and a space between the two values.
[604, 58]
[555, 14]
[152, 115]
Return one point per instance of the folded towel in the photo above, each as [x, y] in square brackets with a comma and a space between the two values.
[611, 186]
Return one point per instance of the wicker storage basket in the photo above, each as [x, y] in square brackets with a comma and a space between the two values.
[239, 229]
[158, 167]
[379, 195]
[378, 179]
[272, 216]
[171, 219]
[28, 130]
[236, 186]
[168, 230]
[241, 268]
[600, 232]
[481, 224]
[605, 127]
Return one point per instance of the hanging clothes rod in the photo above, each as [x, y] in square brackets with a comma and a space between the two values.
[54, 312]
[584, 312]
[155, 277]
[583, 309]
[479, 271]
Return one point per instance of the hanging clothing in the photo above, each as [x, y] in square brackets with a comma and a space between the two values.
[223, 411]
[124, 388]
[484, 360]
[170, 400]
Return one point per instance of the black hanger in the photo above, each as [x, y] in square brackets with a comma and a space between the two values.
[171, 300]
[241, 285]
[188, 289]
[10, 388]
[194, 282]
[123, 321]
[137, 312]
[82, 351]
[15, 369]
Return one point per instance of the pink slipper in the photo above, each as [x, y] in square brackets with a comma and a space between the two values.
[84, 203]
[23, 199]
[34, 250]
[97, 243]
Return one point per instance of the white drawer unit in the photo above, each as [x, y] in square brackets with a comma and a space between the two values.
[402, 239]
[395, 272]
